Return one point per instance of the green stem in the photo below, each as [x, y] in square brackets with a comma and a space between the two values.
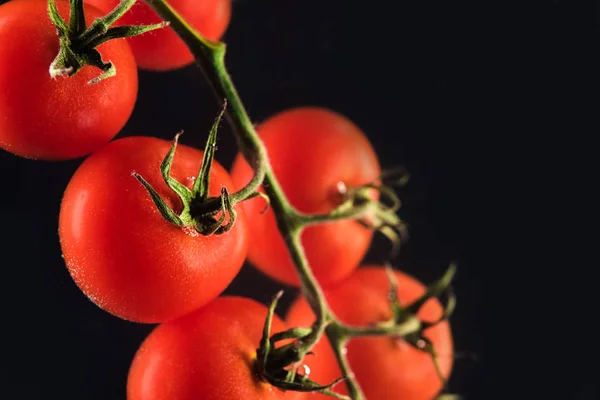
[411, 325]
[308, 283]
[77, 17]
[339, 343]
[101, 25]
[336, 215]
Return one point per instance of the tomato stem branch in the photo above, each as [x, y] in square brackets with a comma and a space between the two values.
[410, 326]
[339, 343]
[336, 215]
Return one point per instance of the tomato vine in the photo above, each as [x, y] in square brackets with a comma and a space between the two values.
[211, 58]
[120, 272]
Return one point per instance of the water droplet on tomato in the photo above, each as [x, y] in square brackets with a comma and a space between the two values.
[306, 370]
[344, 351]
[189, 230]
[190, 180]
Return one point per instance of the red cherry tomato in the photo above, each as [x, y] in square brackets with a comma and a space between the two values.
[63, 118]
[311, 151]
[120, 251]
[208, 354]
[386, 368]
[163, 50]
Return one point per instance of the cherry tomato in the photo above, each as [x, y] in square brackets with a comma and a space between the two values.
[311, 150]
[385, 367]
[163, 50]
[208, 354]
[63, 118]
[121, 252]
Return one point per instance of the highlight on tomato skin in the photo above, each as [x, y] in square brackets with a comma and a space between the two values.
[121, 252]
[163, 50]
[311, 150]
[64, 118]
[208, 354]
[385, 367]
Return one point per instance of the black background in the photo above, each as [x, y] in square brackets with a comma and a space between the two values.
[481, 101]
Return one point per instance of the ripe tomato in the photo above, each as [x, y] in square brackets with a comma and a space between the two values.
[386, 368]
[208, 354]
[120, 251]
[162, 49]
[64, 118]
[311, 150]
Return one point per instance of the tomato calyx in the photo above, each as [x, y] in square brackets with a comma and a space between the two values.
[400, 314]
[78, 42]
[282, 366]
[375, 213]
[206, 215]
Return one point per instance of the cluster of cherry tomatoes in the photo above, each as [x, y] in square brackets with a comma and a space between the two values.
[132, 263]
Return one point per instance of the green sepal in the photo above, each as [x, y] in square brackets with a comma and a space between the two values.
[164, 209]
[93, 57]
[217, 224]
[125, 31]
[181, 190]
[202, 182]
[265, 344]
[230, 211]
[56, 18]
[264, 197]
[448, 309]
[433, 290]
[292, 333]
[77, 17]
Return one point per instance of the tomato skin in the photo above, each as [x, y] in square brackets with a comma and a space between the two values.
[206, 355]
[163, 50]
[311, 150]
[384, 367]
[63, 118]
[120, 251]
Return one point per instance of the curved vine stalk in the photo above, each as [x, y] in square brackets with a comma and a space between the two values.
[211, 58]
